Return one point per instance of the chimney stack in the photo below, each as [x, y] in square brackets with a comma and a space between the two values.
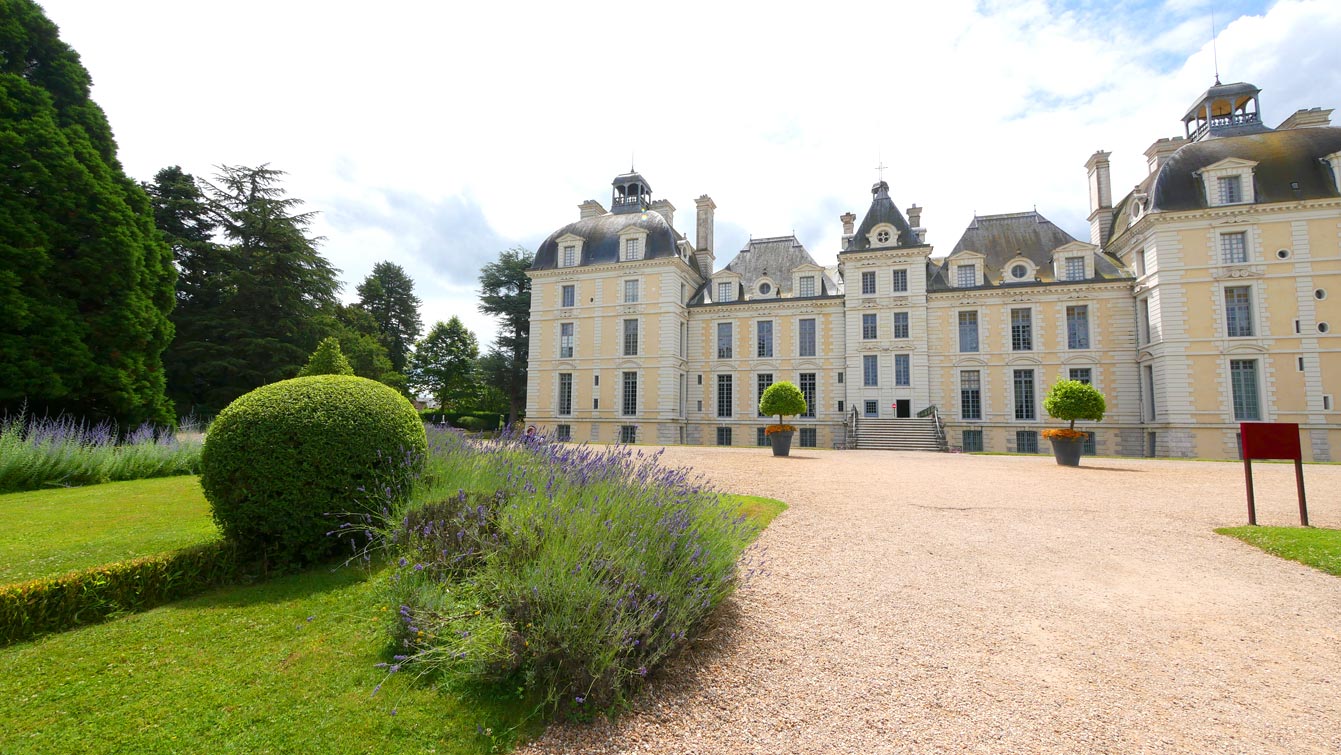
[665, 209]
[590, 209]
[1101, 197]
[704, 234]
[848, 220]
[1158, 152]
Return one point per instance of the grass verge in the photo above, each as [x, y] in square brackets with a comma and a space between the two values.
[1318, 548]
[50, 532]
[762, 511]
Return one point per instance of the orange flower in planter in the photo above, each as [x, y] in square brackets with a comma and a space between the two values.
[1062, 433]
[779, 429]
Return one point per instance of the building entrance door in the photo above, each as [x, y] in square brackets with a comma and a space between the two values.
[903, 408]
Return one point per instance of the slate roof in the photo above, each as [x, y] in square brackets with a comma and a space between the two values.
[775, 258]
[882, 210]
[1001, 238]
[600, 236]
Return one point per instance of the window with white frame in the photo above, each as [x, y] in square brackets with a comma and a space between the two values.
[970, 395]
[869, 329]
[724, 333]
[761, 382]
[900, 281]
[966, 276]
[1078, 327]
[1243, 380]
[868, 282]
[569, 297]
[726, 291]
[565, 393]
[566, 340]
[1143, 320]
[630, 338]
[1231, 189]
[1234, 248]
[633, 249]
[569, 256]
[724, 397]
[1238, 311]
[807, 285]
[902, 371]
[1074, 268]
[631, 291]
[1021, 329]
[871, 408]
[1025, 408]
[629, 399]
[870, 371]
[806, 333]
[900, 324]
[968, 332]
[628, 433]
[808, 385]
[764, 339]
[1082, 374]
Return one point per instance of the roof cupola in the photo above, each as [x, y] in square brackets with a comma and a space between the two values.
[631, 193]
[1224, 110]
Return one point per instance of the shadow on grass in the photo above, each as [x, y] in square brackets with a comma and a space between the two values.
[281, 589]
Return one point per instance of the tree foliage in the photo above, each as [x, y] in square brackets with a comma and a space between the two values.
[1072, 400]
[443, 365]
[782, 397]
[388, 295]
[505, 292]
[327, 360]
[86, 283]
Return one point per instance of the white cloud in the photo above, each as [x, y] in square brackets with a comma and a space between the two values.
[435, 135]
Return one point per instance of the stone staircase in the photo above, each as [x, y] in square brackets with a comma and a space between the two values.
[898, 435]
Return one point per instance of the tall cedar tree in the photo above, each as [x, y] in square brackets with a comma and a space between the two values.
[443, 365]
[505, 291]
[388, 295]
[85, 281]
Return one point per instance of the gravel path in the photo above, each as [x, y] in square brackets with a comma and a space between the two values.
[935, 603]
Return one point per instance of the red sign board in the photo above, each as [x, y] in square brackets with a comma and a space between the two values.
[1271, 440]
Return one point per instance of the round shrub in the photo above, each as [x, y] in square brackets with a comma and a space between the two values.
[279, 459]
[1072, 400]
[781, 398]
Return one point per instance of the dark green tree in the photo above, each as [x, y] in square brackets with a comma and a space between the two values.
[358, 334]
[86, 283]
[388, 295]
[443, 365]
[327, 360]
[505, 292]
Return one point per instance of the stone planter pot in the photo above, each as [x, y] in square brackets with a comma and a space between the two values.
[782, 442]
[1067, 452]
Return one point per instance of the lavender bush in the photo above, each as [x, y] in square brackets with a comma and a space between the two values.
[574, 570]
[42, 452]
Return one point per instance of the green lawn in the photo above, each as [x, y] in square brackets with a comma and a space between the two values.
[1319, 548]
[50, 532]
[761, 510]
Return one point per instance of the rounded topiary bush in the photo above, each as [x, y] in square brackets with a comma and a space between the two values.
[279, 459]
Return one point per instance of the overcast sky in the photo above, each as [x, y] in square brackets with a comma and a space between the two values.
[435, 134]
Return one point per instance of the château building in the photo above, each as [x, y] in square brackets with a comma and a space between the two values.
[1199, 301]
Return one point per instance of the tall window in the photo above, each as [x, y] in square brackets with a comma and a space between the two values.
[807, 335]
[1024, 395]
[724, 396]
[870, 371]
[968, 331]
[565, 393]
[762, 381]
[630, 338]
[1243, 379]
[807, 285]
[1238, 311]
[723, 436]
[868, 327]
[566, 340]
[900, 324]
[628, 433]
[966, 276]
[629, 404]
[902, 371]
[633, 249]
[1075, 268]
[723, 340]
[900, 281]
[764, 345]
[868, 282]
[631, 292]
[569, 296]
[1078, 327]
[1234, 248]
[1143, 320]
[1231, 189]
[1082, 374]
[569, 258]
[1021, 330]
[970, 395]
[807, 385]
[725, 291]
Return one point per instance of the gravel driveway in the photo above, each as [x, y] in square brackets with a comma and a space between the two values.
[937, 603]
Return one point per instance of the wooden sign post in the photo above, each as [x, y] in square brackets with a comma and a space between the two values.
[1273, 440]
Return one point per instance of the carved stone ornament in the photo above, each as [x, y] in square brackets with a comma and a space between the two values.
[1239, 271]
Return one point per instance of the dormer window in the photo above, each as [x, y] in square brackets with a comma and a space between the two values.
[1074, 269]
[1018, 272]
[807, 285]
[569, 258]
[725, 292]
[966, 276]
[633, 249]
[1228, 182]
[882, 236]
[1231, 189]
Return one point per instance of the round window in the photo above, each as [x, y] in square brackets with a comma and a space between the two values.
[1019, 271]
[882, 236]
[765, 289]
[1283, 254]
[1320, 294]
[1323, 327]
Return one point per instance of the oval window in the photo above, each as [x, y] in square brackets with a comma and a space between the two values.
[765, 289]
[882, 236]
[1283, 254]
[1323, 327]
[1320, 294]
[1019, 271]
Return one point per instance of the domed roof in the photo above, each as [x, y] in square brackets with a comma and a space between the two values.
[1288, 167]
[600, 239]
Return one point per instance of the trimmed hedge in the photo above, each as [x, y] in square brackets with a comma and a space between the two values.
[280, 461]
[464, 420]
[55, 604]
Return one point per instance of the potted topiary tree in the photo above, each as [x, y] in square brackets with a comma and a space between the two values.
[782, 398]
[1071, 400]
